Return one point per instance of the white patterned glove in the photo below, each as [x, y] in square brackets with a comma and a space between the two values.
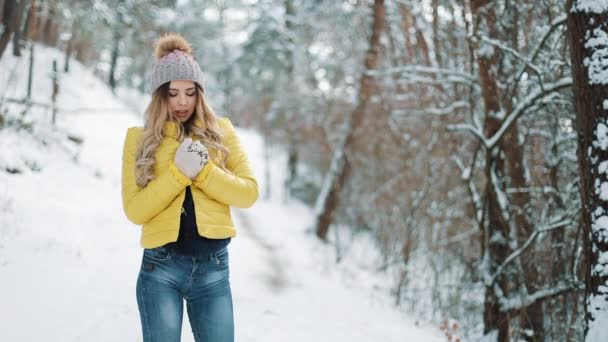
[191, 157]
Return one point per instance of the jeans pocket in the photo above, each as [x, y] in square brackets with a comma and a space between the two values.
[158, 253]
[221, 257]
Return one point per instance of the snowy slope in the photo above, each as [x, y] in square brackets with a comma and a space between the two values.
[69, 258]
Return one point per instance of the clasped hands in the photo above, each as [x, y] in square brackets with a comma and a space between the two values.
[191, 157]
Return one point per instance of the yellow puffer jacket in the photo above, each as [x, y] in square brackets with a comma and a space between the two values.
[158, 205]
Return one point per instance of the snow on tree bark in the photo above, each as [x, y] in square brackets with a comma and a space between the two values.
[588, 35]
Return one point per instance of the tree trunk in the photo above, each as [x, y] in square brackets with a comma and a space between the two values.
[31, 30]
[19, 27]
[423, 47]
[328, 200]
[27, 26]
[55, 80]
[47, 28]
[496, 233]
[9, 14]
[587, 31]
[114, 60]
[294, 141]
[38, 24]
[557, 308]
[407, 25]
[532, 316]
[30, 74]
[68, 54]
[436, 38]
[2, 3]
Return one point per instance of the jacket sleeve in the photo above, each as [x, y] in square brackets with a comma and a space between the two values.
[239, 189]
[142, 204]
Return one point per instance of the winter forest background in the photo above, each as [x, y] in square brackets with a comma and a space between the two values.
[467, 139]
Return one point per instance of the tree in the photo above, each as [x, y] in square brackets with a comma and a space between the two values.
[336, 177]
[11, 21]
[19, 27]
[496, 230]
[588, 35]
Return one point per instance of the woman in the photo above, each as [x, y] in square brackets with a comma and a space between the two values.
[181, 173]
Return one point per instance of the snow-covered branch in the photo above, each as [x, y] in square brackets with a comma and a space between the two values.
[518, 302]
[500, 45]
[558, 224]
[557, 22]
[524, 104]
[450, 109]
[501, 196]
[469, 128]
[422, 69]
[467, 176]
[529, 101]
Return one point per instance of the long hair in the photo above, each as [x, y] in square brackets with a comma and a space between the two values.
[157, 114]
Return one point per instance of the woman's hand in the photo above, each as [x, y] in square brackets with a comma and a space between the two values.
[191, 157]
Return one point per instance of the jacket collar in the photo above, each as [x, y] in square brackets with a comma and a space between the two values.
[170, 127]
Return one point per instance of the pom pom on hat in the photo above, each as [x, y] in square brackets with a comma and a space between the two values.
[170, 42]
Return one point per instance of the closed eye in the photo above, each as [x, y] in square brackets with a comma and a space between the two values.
[174, 95]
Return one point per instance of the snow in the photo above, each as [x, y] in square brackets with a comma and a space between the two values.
[599, 309]
[598, 211]
[597, 67]
[600, 227]
[590, 6]
[492, 336]
[601, 268]
[466, 174]
[498, 239]
[69, 259]
[603, 167]
[485, 50]
[604, 191]
[601, 136]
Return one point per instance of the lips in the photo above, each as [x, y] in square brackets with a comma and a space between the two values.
[181, 113]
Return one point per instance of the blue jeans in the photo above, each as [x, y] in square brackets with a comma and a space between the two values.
[166, 279]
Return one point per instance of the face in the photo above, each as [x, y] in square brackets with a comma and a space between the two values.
[182, 99]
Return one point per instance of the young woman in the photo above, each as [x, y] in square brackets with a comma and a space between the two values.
[181, 173]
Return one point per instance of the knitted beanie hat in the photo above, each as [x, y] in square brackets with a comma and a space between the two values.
[174, 61]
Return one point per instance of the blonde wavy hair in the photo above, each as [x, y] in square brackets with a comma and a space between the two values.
[157, 114]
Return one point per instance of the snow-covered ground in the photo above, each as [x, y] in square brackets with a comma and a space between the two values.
[69, 258]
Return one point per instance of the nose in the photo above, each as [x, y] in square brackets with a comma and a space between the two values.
[181, 99]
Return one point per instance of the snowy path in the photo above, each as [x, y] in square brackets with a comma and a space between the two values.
[69, 258]
[276, 279]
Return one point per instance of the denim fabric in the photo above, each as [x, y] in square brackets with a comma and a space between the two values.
[167, 278]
